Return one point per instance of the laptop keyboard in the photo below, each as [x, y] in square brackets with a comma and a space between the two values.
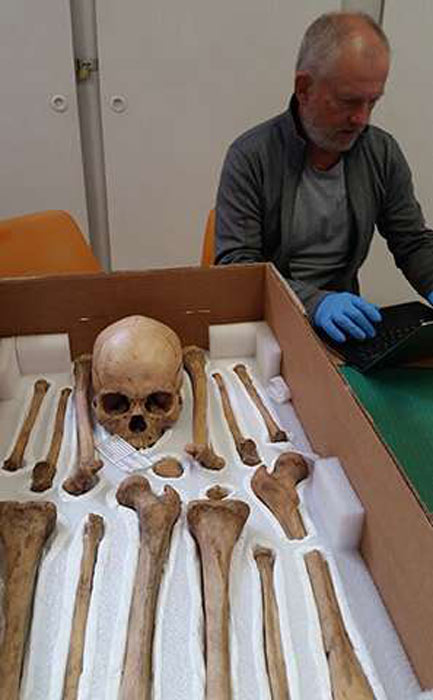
[384, 339]
[399, 322]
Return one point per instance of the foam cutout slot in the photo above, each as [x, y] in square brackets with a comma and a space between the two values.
[332, 501]
[268, 353]
[9, 369]
[233, 339]
[39, 354]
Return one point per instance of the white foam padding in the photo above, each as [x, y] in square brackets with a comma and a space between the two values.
[9, 369]
[336, 505]
[268, 353]
[43, 353]
[233, 339]
[278, 390]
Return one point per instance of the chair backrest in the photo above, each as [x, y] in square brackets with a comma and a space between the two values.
[44, 243]
[208, 247]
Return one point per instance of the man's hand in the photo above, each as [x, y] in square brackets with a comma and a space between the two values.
[342, 314]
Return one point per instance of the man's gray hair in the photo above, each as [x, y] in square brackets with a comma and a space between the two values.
[326, 35]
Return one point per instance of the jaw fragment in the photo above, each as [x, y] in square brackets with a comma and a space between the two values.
[168, 467]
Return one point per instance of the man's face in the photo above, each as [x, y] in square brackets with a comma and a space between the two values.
[335, 109]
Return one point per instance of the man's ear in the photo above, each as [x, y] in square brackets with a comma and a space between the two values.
[303, 85]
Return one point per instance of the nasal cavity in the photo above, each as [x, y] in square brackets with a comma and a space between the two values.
[137, 424]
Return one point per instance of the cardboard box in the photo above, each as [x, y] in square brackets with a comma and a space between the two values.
[397, 543]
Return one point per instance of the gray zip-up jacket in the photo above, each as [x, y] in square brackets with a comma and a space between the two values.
[256, 199]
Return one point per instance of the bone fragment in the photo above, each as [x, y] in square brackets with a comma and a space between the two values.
[216, 526]
[44, 471]
[168, 467]
[16, 459]
[246, 447]
[156, 516]
[278, 491]
[348, 681]
[24, 529]
[274, 654]
[194, 362]
[92, 536]
[85, 475]
[217, 492]
[276, 434]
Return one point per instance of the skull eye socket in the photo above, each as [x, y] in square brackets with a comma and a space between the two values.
[115, 403]
[159, 402]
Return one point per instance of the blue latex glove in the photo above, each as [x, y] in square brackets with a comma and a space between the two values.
[430, 297]
[341, 314]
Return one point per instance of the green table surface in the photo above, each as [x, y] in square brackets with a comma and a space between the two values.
[400, 402]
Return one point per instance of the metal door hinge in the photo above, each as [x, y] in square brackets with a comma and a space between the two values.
[84, 67]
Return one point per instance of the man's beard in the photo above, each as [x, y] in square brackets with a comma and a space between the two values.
[323, 140]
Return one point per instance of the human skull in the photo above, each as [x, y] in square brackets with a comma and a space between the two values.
[137, 375]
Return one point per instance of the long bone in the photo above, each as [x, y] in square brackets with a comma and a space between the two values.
[92, 536]
[16, 459]
[216, 526]
[194, 362]
[274, 654]
[24, 529]
[348, 681]
[85, 475]
[278, 491]
[276, 434]
[44, 471]
[156, 516]
[246, 447]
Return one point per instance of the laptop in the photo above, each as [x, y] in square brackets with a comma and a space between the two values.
[404, 335]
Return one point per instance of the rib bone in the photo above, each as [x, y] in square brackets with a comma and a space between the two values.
[246, 447]
[347, 678]
[15, 461]
[274, 654]
[278, 491]
[85, 476]
[24, 529]
[276, 434]
[216, 526]
[92, 536]
[157, 516]
[44, 471]
[194, 363]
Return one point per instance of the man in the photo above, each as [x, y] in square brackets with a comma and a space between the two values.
[306, 188]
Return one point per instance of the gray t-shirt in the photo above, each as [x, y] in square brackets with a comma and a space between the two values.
[321, 234]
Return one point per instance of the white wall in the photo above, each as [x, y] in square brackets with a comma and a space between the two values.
[40, 147]
[373, 7]
[192, 76]
[407, 112]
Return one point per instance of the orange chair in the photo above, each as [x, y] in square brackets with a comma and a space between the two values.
[208, 248]
[46, 243]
